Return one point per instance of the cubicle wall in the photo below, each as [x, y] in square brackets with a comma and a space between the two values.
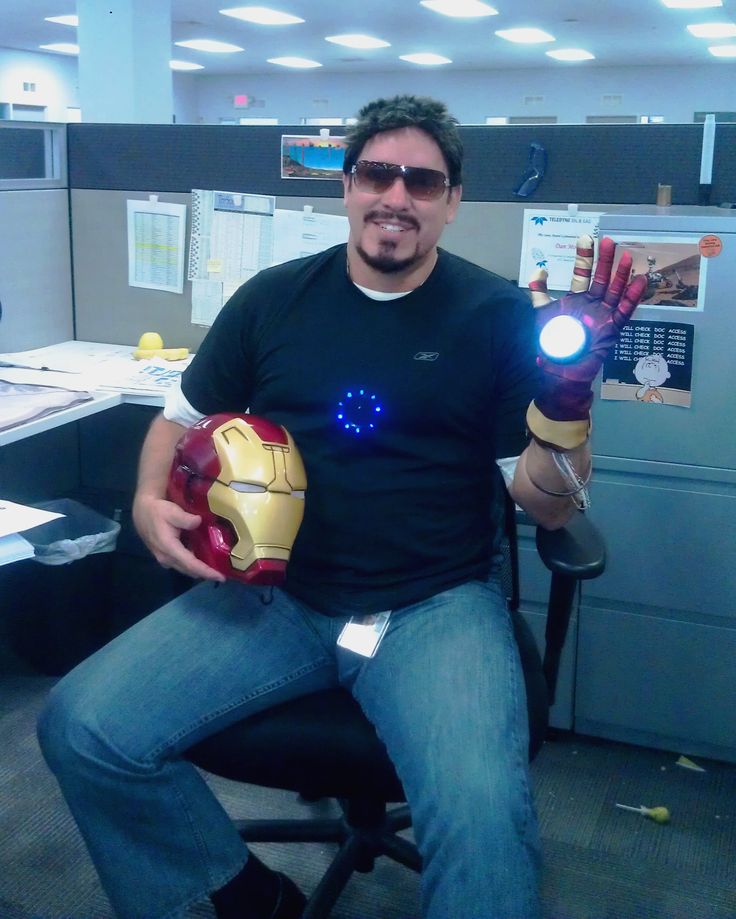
[35, 294]
[657, 632]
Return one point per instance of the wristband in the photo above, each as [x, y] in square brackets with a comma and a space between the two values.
[556, 435]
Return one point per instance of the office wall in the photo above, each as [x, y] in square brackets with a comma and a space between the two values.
[55, 76]
[569, 92]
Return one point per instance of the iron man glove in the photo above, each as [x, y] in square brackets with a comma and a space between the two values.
[559, 416]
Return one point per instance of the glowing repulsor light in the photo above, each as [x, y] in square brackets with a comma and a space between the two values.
[563, 339]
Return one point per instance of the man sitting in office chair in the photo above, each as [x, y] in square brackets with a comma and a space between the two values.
[401, 371]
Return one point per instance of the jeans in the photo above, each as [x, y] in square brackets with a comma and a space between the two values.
[445, 692]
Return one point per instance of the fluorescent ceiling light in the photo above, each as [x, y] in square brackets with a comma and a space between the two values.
[185, 65]
[261, 15]
[70, 20]
[426, 58]
[692, 4]
[525, 36]
[208, 44]
[713, 30]
[723, 50]
[62, 47]
[302, 63]
[461, 9]
[357, 41]
[571, 54]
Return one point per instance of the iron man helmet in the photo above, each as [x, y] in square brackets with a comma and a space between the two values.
[245, 478]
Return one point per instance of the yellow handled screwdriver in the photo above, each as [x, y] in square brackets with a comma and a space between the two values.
[658, 814]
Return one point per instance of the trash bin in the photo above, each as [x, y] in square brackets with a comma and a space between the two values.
[58, 602]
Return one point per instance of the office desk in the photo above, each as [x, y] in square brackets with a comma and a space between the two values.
[101, 369]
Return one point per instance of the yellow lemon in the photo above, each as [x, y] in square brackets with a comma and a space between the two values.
[151, 341]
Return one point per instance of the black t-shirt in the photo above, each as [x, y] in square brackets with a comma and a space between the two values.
[398, 408]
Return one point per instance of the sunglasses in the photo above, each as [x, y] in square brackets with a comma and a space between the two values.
[376, 178]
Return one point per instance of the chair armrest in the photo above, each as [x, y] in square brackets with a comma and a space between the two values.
[576, 550]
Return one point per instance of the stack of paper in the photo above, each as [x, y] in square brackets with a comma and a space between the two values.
[14, 519]
[14, 548]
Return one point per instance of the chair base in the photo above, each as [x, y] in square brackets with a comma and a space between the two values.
[364, 832]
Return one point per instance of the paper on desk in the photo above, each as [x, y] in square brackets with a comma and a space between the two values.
[92, 365]
[68, 357]
[150, 377]
[22, 402]
[14, 548]
[15, 518]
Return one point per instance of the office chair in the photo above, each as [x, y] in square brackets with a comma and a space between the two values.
[322, 746]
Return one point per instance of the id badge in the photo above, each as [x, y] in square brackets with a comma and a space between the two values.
[363, 634]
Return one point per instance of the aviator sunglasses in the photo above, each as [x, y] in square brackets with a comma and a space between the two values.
[421, 183]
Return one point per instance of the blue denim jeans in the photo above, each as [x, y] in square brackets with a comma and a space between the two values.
[445, 692]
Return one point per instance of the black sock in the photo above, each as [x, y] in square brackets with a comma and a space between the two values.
[251, 894]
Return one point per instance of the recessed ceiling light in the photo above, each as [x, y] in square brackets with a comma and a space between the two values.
[426, 58]
[303, 63]
[713, 30]
[261, 15]
[723, 50]
[185, 65]
[62, 47]
[70, 20]
[208, 44]
[525, 36]
[571, 54]
[692, 4]
[461, 9]
[357, 41]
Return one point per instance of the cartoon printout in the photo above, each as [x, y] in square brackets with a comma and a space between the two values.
[652, 363]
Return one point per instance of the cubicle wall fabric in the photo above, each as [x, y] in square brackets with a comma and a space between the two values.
[619, 164]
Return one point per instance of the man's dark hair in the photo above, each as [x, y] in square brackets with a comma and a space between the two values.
[421, 112]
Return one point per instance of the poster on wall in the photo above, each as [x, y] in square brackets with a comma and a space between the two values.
[549, 241]
[652, 364]
[312, 157]
[675, 269]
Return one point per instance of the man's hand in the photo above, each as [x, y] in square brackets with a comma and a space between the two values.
[559, 416]
[604, 307]
[159, 524]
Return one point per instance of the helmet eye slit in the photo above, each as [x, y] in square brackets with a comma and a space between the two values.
[247, 487]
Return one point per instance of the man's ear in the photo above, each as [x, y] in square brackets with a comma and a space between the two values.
[453, 201]
[346, 180]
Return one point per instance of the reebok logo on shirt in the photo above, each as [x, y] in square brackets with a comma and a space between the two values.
[426, 355]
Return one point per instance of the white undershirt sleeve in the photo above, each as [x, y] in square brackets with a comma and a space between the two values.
[178, 408]
[507, 465]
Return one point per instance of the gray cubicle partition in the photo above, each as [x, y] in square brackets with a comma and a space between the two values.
[657, 633]
[653, 660]
[35, 294]
[35, 269]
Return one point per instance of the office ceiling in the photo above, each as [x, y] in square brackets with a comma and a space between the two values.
[617, 32]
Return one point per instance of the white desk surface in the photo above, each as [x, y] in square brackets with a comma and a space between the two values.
[106, 371]
[99, 403]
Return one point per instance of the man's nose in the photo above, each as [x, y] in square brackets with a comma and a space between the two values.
[396, 194]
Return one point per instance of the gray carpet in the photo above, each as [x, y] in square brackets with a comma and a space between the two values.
[600, 862]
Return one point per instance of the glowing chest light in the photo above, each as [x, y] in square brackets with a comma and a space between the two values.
[563, 339]
[358, 411]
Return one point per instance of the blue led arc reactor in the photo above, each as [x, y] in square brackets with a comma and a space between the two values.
[359, 411]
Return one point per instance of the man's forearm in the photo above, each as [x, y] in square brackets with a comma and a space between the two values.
[156, 457]
[536, 474]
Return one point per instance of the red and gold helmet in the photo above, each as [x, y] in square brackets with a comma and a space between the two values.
[245, 478]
